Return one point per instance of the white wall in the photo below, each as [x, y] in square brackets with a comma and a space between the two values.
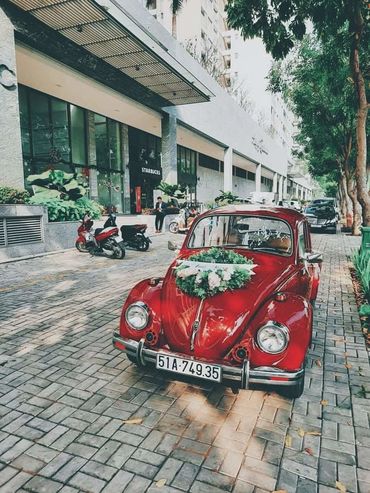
[209, 184]
[242, 187]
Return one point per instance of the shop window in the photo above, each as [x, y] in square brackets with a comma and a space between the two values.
[186, 166]
[53, 133]
[78, 139]
[109, 162]
[40, 124]
[209, 162]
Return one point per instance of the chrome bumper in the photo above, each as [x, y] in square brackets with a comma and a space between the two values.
[235, 376]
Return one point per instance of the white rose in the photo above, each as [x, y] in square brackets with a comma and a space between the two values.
[214, 280]
[226, 274]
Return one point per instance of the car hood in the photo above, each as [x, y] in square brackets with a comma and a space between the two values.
[321, 214]
[224, 317]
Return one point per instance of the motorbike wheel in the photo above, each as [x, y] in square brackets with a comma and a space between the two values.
[81, 247]
[118, 252]
[142, 244]
[174, 227]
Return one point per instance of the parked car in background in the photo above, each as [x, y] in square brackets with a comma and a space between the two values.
[236, 304]
[322, 216]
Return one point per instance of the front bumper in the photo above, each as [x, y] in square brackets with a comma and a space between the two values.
[234, 376]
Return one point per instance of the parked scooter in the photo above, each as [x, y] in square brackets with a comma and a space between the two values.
[134, 236]
[103, 241]
[183, 221]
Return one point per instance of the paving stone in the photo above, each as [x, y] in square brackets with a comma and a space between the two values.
[137, 467]
[87, 483]
[119, 482]
[42, 485]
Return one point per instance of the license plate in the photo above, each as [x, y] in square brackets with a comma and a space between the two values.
[188, 367]
[312, 220]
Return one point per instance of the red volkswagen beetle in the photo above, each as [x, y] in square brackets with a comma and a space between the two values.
[235, 306]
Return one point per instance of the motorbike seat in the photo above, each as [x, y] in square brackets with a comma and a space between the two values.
[133, 227]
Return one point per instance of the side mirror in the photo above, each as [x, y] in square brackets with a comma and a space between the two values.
[172, 245]
[314, 257]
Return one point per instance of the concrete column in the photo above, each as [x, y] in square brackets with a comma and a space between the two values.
[275, 183]
[91, 155]
[126, 176]
[281, 187]
[11, 159]
[258, 177]
[285, 187]
[169, 149]
[228, 169]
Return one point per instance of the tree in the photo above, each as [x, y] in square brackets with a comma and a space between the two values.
[280, 23]
[314, 81]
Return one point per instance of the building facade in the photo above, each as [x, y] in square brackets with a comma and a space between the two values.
[105, 92]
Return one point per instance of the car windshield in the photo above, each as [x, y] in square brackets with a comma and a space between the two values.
[250, 232]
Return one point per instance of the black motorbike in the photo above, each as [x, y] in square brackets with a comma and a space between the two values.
[134, 236]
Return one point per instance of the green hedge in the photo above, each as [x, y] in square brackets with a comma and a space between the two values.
[10, 195]
[361, 261]
[68, 210]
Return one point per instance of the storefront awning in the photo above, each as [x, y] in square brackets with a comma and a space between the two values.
[108, 30]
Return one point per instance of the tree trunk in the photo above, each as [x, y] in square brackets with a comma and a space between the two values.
[345, 202]
[356, 29]
[351, 186]
[174, 26]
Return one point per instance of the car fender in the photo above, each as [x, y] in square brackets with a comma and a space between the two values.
[295, 312]
[147, 291]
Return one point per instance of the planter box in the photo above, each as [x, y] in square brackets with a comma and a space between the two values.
[365, 244]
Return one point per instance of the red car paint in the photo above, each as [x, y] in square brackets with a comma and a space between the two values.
[231, 319]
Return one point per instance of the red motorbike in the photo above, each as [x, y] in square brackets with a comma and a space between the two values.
[103, 241]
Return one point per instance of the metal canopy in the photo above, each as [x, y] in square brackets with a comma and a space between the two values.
[93, 27]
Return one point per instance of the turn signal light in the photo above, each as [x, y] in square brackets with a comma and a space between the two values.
[151, 338]
[239, 354]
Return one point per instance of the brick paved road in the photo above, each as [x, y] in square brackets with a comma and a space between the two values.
[65, 392]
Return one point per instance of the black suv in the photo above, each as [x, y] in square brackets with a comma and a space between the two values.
[322, 217]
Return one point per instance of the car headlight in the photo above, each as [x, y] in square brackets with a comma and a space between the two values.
[273, 337]
[137, 315]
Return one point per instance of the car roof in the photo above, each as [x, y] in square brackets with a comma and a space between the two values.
[290, 215]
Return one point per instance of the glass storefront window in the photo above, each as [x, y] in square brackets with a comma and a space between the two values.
[104, 188]
[187, 169]
[24, 118]
[109, 162]
[40, 124]
[114, 144]
[60, 130]
[50, 130]
[78, 138]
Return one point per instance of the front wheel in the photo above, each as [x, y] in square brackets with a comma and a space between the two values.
[81, 246]
[142, 244]
[118, 252]
[174, 227]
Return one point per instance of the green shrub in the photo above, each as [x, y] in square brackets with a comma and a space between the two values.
[10, 195]
[68, 210]
[361, 261]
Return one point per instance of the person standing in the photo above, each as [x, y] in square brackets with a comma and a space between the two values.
[160, 207]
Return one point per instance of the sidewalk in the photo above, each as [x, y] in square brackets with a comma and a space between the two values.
[65, 393]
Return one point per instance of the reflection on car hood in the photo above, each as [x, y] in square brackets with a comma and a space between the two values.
[224, 317]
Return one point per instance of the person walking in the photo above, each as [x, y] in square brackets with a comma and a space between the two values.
[160, 207]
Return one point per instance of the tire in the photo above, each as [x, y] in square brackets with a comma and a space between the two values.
[118, 252]
[174, 227]
[81, 247]
[293, 392]
[142, 244]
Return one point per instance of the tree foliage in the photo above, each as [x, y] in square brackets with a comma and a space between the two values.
[283, 23]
